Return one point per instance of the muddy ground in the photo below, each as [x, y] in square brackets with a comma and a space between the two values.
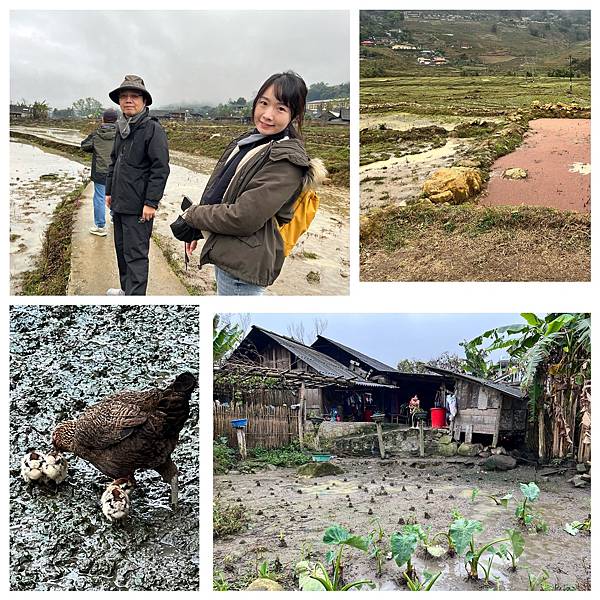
[63, 359]
[556, 155]
[281, 506]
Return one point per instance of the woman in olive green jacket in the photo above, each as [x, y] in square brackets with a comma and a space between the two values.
[252, 191]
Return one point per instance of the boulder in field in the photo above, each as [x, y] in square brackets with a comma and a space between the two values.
[469, 449]
[454, 184]
[262, 584]
[499, 462]
[319, 469]
[515, 173]
[447, 449]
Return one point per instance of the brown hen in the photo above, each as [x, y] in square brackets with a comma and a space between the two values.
[131, 431]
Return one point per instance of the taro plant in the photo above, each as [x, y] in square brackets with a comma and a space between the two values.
[403, 546]
[340, 538]
[498, 500]
[524, 511]
[425, 537]
[462, 532]
[539, 582]
[429, 579]
[264, 571]
[575, 527]
[376, 550]
[515, 549]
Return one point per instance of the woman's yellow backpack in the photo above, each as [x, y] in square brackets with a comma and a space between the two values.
[305, 209]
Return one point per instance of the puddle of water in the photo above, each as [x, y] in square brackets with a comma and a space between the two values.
[582, 168]
[55, 134]
[449, 148]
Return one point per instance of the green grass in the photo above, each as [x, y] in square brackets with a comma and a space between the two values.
[331, 143]
[466, 96]
[228, 518]
[286, 456]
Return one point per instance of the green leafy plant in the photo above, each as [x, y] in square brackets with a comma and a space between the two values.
[228, 518]
[223, 456]
[376, 550]
[340, 538]
[514, 551]
[499, 501]
[539, 582]
[264, 571]
[462, 532]
[575, 527]
[429, 579]
[524, 511]
[403, 547]
[219, 582]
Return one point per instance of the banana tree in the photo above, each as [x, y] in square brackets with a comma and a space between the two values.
[553, 354]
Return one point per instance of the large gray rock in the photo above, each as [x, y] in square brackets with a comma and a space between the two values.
[469, 449]
[447, 449]
[499, 462]
[319, 469]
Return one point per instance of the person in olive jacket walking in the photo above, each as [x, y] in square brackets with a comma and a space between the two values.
[136, 180]
[253, 189]
[100, 143]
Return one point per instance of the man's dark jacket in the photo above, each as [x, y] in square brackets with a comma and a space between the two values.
[100, 142]
[139, 167]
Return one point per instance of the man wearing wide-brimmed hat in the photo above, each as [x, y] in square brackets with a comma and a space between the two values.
[135, 183]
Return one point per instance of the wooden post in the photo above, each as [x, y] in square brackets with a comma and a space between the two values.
[421, 439]
[380, 438]
[241, 440]
[301, 416]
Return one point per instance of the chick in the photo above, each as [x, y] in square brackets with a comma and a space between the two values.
[32, 465]
[115, 501]
[55, 467]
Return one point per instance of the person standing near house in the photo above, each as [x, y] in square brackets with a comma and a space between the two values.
[414, 405]
[100, 143]
[137, 176]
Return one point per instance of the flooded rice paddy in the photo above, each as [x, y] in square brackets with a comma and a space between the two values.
[38, 182]
[63, 359]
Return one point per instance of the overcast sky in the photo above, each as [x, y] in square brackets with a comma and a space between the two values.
[183, 56]
[392, 337]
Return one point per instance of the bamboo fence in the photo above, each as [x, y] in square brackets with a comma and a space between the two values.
[268, 426]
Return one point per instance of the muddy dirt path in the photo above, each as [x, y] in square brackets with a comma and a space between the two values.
[38, 182]
[63, 359]
[298, 510]
[556, 153]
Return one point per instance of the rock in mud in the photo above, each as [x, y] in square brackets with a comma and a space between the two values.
[515, 173]
[469, 449]
[265, 585]
[454, 185]
[315, 469]
[448, 449]
[499, 462]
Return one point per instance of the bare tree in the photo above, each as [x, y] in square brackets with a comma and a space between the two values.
[297, 332]
[319, 326]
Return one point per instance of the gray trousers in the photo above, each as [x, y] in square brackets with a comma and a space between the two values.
[132, 244]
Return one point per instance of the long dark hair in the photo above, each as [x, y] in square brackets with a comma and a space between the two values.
[290, 89]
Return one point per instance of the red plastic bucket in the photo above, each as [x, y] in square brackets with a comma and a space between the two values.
[438, 418]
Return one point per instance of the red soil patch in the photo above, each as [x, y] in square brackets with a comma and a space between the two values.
[550, 149]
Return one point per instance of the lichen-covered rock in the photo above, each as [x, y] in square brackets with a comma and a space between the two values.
[448, 449]
[515, 173]
[263, 584]
[454, 184]
[319, 469]
[445, 439]
[469, 449]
